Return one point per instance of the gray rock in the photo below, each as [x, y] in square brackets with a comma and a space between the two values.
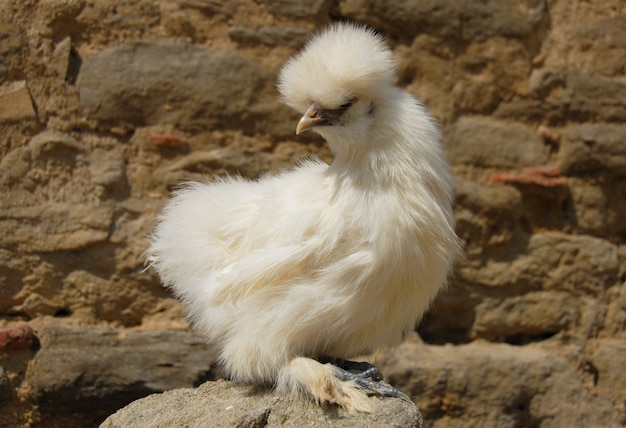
[489, 218]
[271, 36]
[530, 289]
[583, 98]
[79, 369]
[297, 9]
[600, 206]
[533, 316]
[553, 261]
[485, 142]
[107, 170]
[593, 148]
[190, 86]
[495, 385]
[55, 226]
[595, 98]
[225, 404]
[463, 20]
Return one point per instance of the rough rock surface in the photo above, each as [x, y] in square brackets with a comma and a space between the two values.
[224, 404]
[188, 86]
[501, 385]
[106, 105]
[72, 373]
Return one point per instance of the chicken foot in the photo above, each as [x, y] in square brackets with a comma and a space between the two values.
[365, 375]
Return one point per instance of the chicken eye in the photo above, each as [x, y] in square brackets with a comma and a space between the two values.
[346, 105]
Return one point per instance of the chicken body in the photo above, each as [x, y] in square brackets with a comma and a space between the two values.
[324, 260]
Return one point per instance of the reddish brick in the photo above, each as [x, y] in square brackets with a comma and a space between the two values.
[19, 336]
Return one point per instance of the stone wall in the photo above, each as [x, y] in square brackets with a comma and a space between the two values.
[106, 105]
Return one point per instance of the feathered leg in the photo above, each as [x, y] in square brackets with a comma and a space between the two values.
[323, 382]
[333, 383]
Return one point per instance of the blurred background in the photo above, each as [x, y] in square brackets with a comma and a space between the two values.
[106, 105]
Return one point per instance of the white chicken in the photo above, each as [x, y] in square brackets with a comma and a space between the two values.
[289, 275]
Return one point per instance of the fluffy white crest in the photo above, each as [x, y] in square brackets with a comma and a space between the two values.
[344, 60]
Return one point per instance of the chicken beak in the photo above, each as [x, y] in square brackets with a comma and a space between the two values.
[309, 119]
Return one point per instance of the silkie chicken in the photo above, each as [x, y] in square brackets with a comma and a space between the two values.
[290, 275]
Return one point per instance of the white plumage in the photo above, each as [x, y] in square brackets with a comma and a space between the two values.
[324, 260]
